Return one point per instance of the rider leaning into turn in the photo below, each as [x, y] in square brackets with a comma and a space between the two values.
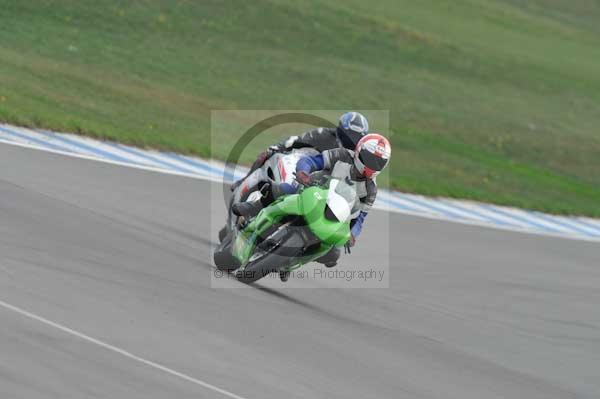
[368, 159]
[351, 127]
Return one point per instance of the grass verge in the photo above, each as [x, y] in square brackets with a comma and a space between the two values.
[493, 100]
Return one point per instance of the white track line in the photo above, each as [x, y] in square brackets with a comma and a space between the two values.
[110, 161]
[120, 351]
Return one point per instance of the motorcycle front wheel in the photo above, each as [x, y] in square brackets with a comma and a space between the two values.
[283, 255]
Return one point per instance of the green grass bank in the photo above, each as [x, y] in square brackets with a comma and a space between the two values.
[493, 100]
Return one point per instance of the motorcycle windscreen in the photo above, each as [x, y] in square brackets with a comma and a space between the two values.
[341, 199]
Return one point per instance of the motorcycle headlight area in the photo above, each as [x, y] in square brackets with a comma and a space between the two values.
[338, 207]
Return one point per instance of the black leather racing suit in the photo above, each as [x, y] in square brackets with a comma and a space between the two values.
[320, 139]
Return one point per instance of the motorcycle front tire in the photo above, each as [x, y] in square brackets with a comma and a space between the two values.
[289, 248]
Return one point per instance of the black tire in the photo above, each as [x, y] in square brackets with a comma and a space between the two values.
[273, 261]
[222, 233]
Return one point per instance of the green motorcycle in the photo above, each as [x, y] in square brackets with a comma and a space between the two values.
[292, 231]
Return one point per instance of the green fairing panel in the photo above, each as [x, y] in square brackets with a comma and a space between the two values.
[245, 241]
[330, 232]
[310, 204]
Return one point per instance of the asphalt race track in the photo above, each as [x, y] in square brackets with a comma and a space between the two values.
[113, 265]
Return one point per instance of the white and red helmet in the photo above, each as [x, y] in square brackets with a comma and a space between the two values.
[372, 154]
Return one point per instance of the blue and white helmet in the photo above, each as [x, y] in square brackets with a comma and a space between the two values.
[352, 127]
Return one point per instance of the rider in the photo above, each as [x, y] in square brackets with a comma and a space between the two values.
[369, 158]
[351, 127]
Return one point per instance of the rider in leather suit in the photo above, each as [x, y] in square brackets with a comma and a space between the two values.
[369, 158]
[351, 127]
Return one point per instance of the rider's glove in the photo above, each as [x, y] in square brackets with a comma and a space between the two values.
[303, 178]
[277, 148]
[284, 146]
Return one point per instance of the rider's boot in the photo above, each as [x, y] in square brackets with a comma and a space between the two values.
[248, 209]
[330, 258]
